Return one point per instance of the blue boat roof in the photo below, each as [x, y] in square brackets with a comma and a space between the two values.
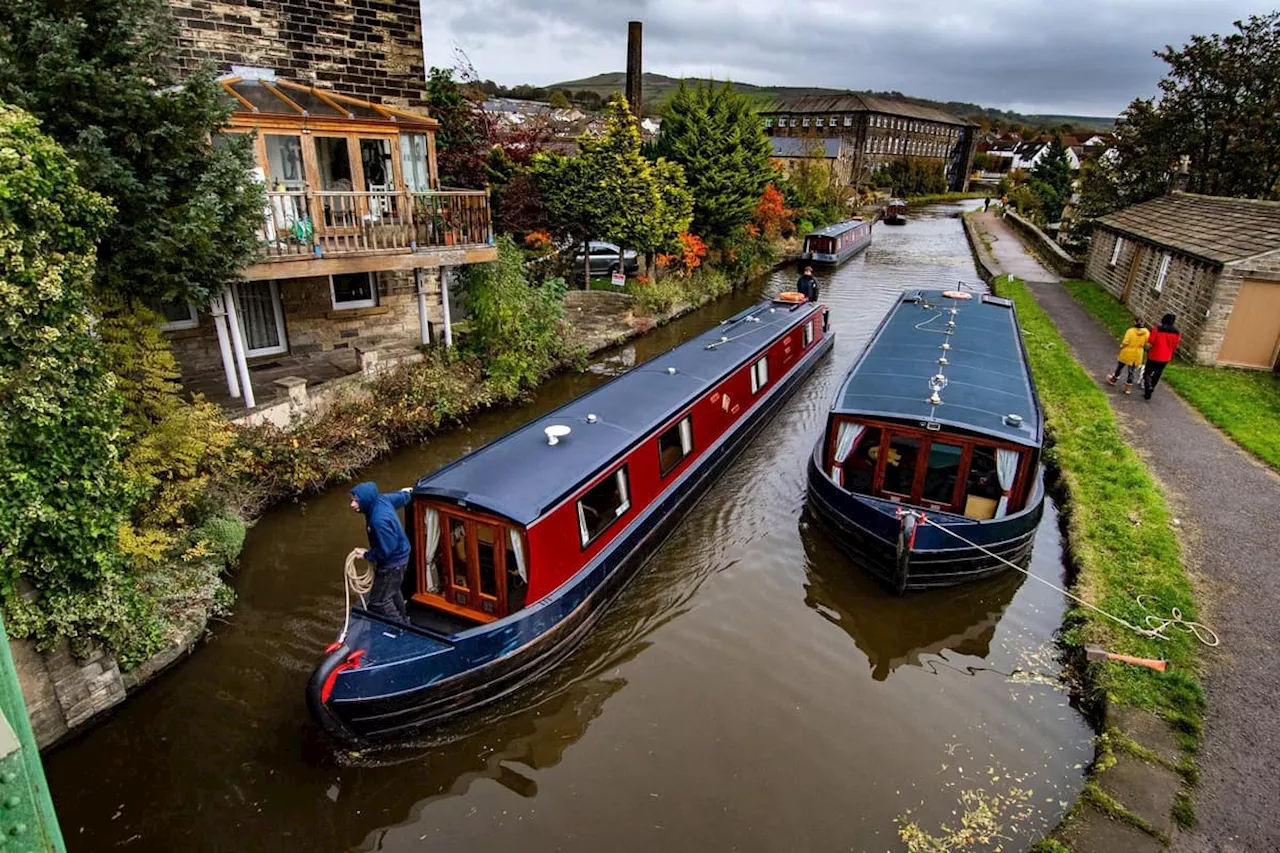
[521, 476]
[987, 376]
[838, 228]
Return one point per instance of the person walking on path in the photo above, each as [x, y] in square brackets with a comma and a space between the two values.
[986, 203]
[1130, 357]
[808, 285]
[1164, 343]
[388, 549]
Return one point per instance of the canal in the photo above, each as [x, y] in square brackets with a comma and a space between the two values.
[751, 690]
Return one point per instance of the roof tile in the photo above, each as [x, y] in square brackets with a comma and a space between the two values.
[1214, 228]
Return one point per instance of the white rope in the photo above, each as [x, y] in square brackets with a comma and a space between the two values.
[1175, 619]
[354, 579]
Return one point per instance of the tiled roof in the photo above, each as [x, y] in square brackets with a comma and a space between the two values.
[851, 102]
[805, 146]
[1212, 228]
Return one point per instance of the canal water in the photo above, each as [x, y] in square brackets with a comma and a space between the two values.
[751, 690]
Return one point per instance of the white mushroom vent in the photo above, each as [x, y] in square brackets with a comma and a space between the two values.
[555, 432]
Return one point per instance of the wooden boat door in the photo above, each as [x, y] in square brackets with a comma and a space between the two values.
[478, 568]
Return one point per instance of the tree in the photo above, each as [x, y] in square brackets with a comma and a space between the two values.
[716, 135]
[462, 142]
[1051, 179]
[98, 77]
[558, 100]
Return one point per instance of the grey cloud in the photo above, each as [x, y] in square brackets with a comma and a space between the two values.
[1090, 57]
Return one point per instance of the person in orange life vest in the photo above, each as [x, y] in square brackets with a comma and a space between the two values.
[388, 549]
[1164, 342]
[1131, 349]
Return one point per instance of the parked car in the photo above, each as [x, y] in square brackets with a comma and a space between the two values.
[604, 259]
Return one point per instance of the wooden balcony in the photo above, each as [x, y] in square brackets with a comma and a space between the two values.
[306, 232]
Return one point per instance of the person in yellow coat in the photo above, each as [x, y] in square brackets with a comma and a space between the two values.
[1132, 349]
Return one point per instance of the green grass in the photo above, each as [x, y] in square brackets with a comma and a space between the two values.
[936, 198]
[1119, 532]
[1245, 404]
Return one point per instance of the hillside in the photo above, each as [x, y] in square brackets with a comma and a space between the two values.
[657, 87]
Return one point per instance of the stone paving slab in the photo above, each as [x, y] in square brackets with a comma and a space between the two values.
[1091, 830]
[1148, 790]
[1147, 730]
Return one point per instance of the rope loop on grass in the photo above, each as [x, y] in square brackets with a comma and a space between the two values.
[1202, 632]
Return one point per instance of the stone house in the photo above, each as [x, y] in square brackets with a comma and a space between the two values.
[879, 131]
[835, 155]
[357, 235]
[1213, 262]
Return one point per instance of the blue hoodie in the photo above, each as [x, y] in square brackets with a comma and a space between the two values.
[388, 545]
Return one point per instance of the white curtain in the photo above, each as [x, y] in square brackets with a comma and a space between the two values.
[431, 527]
[846, 437]
[1006, 470]
[686, 436]
[517, 547]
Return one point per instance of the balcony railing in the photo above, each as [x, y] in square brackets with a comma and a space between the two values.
[300, 224]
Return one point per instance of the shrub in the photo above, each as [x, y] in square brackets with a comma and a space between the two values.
[224, 537]
[657, 297]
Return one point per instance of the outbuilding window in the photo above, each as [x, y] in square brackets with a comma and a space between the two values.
[602, 504]
[1115, 251]
[1164, 272]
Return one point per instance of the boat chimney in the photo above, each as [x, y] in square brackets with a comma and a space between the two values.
[555, 432]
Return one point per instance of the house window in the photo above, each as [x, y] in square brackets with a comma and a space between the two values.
[768, 123]
[603, 503]
[284, 163]
[175, 314]
[793, 122]
[819, 121]
[806, 121]
[759, 374]
[808, 333]
[1115, 250]
[782, 121]
[848, 121]
[353, 290]
[675, 444]
[1164, 272]
[413, 162]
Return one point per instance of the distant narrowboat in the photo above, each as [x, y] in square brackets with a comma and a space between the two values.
[896, 212]
[835, 244]
[928, 471]
[518, 547]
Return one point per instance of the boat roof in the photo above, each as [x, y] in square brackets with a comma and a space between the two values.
[521, 476]
[838, 228]
[987, 376]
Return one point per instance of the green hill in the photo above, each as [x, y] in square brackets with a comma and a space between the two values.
[658, 87]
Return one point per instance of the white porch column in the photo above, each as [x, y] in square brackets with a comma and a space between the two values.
[424, 328]
[444, 295]
[237, 346]
[219, 314]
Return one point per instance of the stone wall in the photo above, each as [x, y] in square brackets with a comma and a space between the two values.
[1198, 293]
[63, 693]
[367, 48]
[1045, 249]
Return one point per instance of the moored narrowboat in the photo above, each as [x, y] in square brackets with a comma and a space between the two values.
[835, 244]
[928, 471]
[895, 213]
[518, 547]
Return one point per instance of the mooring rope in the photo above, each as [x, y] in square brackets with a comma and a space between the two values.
[355, 580]
[1202, 633]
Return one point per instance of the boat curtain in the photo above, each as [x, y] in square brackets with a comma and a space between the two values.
[1006, 470]
[847, 435]
[431, 529]
[686, 436]
[517, 547]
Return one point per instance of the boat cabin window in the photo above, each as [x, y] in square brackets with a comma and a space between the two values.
[900, 465]
[675, 444]
[469, 565]
[941, 473]
[603, 502]
[759, 374]
[982, 489]
[808, 333]
[860, 467]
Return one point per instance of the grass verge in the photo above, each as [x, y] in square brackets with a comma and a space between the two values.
[1245, 404]
[938, 198]
[1119, 531]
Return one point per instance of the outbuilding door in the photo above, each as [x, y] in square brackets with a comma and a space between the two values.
[1253, 332]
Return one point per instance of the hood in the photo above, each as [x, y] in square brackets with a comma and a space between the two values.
[1168, 328]
[365, 494]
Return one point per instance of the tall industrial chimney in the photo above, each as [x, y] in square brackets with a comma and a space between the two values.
[634, 93]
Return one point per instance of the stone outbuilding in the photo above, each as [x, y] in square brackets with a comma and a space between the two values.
[834, 155]
[1213, 262]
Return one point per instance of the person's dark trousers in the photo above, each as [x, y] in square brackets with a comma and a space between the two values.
[1151, 377]
[1120, 365]
[385, 598]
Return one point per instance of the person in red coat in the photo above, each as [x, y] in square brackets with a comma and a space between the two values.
[1162, 345]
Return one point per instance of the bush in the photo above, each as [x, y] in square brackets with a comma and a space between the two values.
[656, 297]
[223, 535]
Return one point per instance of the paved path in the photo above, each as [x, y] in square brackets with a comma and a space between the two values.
[1226, 502]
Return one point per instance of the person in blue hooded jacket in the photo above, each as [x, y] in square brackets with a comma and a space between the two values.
[388, 549]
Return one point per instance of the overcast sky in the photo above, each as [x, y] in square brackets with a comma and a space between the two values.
[1080, 57]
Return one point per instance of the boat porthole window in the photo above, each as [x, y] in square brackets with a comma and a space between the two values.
[604, 502]
[675, 444]
[759, 374]
[808, 333]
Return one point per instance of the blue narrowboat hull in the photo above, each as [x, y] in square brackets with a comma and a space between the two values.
[419, 678]
[871, 532]
[824, 259]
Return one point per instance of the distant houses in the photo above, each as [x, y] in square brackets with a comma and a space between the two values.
[835, 155]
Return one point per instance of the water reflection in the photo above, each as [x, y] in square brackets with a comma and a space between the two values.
[900, 630]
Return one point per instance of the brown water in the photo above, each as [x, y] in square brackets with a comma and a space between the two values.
[751, 690]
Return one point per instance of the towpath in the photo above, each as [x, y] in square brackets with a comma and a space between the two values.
[1226, 504]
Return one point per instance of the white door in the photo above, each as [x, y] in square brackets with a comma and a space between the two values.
[261, 318]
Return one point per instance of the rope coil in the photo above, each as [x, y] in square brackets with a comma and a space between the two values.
[357, 580]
